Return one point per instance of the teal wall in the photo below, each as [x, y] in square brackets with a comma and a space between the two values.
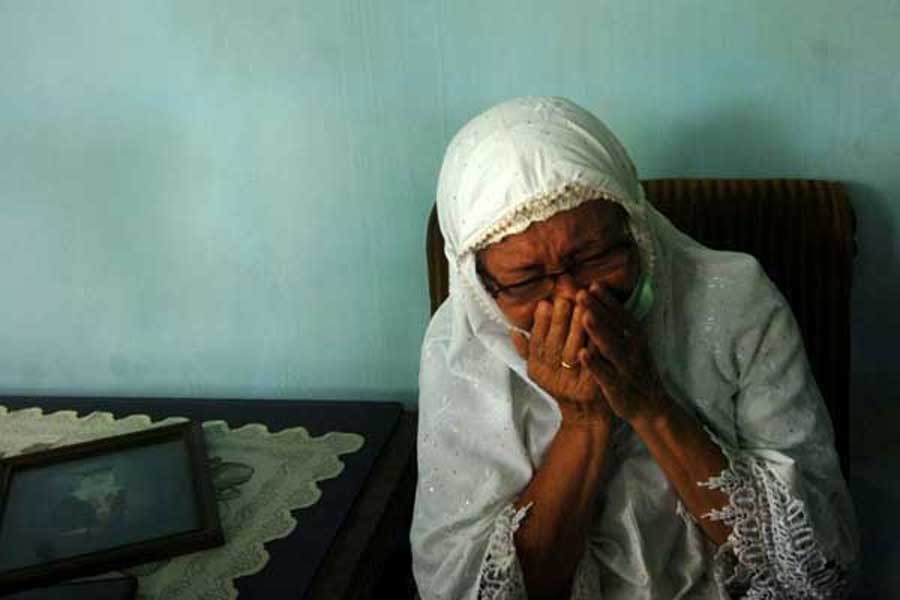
[228, 198]
[211, 198]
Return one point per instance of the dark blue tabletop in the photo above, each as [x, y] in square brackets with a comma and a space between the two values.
[295, 558]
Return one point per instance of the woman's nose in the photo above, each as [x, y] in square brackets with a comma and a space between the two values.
[566, 287]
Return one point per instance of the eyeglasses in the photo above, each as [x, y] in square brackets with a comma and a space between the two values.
[584, 271]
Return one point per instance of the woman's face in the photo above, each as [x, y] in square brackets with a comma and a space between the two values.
[590, 241]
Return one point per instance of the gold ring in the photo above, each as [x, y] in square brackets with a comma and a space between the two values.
[565, 365]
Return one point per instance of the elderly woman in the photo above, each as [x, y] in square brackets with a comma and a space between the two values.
[609, 409]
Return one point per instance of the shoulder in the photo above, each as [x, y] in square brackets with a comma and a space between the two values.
[434, 372]
[725, 301]
[439, 326]
[732, 285]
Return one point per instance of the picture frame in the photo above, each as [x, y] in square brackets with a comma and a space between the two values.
[102, 505]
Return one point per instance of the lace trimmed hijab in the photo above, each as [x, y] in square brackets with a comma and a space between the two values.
[727, 348]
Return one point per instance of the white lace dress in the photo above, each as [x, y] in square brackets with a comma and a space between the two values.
[793, 526]
[727, 348]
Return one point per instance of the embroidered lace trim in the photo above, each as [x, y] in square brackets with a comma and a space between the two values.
[538, 208]
[501, 575]
[771, 553]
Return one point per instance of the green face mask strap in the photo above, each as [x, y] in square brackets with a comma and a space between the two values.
[641, 298]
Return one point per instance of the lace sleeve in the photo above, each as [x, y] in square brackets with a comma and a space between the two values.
[772, 552]
[501, 575]
[793, 526]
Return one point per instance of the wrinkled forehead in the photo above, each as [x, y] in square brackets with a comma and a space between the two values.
[517, 162]
[586, 226]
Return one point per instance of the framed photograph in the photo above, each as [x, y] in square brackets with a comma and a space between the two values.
[106, 504]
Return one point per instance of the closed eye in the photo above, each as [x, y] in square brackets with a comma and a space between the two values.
[525, 283]
[594, 259]
[605, 254]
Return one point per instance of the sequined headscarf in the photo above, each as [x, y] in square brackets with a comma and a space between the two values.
[519, 162]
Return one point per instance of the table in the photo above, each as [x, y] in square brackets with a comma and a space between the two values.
[353, 543]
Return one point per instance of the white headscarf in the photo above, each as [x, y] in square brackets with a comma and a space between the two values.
[484, 426]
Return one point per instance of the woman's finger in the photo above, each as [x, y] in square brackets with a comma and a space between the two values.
[611, 306]
[601, 334]
[559, 329]
[608, 310]
[598, 367]
[576, 337]
[520, 343]
[542, 314]
[591, 304]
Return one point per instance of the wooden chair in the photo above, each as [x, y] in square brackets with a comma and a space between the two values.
[803, 232]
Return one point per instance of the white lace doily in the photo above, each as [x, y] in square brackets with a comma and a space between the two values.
[259, 478]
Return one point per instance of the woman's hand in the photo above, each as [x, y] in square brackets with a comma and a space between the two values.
[552, 355]
[618, 357]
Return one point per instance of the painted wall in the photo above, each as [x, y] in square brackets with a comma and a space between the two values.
[223, 198]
